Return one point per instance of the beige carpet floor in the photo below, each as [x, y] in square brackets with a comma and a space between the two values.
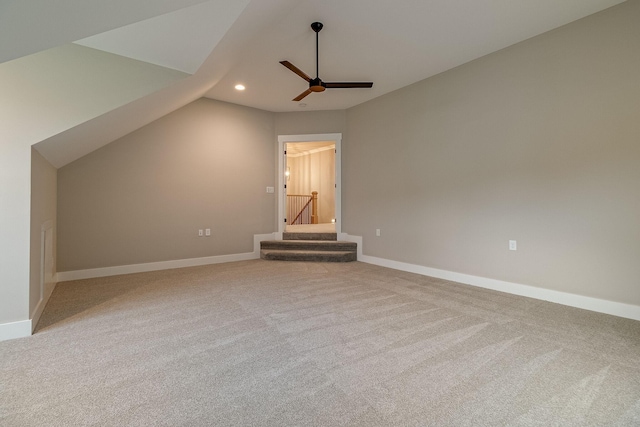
[267, 343]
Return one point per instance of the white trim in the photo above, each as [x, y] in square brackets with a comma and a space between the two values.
[257, 238]
[24, 328]
[48, 290]
[628, 311]
[336, 138]
[12, 330]
[47, 281]
[356, 239]
[64, 276]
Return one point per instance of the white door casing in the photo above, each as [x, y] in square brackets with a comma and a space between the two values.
[336, 138]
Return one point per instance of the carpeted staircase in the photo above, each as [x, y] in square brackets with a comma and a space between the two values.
[308, 247]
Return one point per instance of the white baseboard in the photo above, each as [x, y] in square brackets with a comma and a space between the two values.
[628, 311]
[12, 330]
[64, 276]
[24, 328]
[35, 316]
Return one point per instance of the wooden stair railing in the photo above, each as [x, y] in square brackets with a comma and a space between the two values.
[302, 208]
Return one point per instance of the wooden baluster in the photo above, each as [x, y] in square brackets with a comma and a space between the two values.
[314, 207]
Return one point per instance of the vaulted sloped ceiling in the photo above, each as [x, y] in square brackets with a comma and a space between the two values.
[134, 61]
[32, 26]
[181, 40]
[63, 99]
[61, 87]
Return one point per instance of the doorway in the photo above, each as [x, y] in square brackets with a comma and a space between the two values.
[309, 164]
[310, 185]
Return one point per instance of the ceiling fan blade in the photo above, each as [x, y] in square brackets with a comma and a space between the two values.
[302, 95]
[347, 85]
[296, 70]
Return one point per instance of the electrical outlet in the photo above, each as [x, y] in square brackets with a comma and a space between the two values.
[377, 232]
[200, 233]
[513, 245]
[207, 232]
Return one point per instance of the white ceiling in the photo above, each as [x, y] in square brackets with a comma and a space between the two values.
[31, 26]
[224, 42]
[180, 40]
[392, 43]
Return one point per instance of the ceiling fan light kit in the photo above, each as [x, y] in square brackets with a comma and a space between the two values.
[317, 85]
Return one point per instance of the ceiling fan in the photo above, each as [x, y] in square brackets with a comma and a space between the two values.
[317, 85]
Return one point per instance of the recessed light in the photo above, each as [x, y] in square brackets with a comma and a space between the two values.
[240, 87]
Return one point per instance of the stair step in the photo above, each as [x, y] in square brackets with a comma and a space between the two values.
[308, 255]
[309, 236]
[309, 245]
[309, 250]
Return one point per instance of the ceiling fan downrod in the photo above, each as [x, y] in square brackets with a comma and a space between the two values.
[317, 26]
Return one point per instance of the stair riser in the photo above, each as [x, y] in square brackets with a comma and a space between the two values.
[301, 245]
[317, 257]
[309, 236]
[309, 250]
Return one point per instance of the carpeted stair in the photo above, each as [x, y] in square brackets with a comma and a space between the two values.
[322, 247]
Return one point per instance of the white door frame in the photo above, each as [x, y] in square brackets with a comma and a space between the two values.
[336, 138]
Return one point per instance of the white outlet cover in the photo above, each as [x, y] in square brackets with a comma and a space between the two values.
[207, 232]
[513, 245]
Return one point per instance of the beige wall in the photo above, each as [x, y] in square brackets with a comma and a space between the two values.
[311, 122]
[42, 95]
[15, 178]
[539, 143]
[43, 210]
[143, 197]
[536, 143]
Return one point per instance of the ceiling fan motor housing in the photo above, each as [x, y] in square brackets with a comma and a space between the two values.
[317, 85]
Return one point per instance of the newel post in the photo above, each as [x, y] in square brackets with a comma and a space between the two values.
[314, 207]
